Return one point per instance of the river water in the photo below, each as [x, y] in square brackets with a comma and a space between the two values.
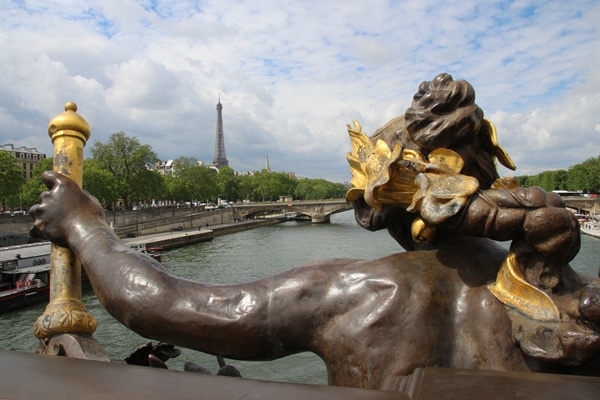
[242, 257]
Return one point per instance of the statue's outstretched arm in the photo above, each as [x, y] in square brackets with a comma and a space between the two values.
[259, 320]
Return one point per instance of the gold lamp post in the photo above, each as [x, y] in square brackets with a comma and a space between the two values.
[66, 313]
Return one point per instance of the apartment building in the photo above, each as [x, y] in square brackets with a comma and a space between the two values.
[27, 158]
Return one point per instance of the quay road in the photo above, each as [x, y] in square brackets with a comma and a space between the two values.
[163, 219]
[180, 238]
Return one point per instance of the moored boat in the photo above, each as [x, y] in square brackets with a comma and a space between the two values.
[154, 251]
[24, 286]
[591, 227]
[25, 275]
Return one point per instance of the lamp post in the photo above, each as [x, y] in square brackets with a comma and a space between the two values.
[137, 210]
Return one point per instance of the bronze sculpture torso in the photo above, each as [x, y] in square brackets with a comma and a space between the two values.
[455, 299]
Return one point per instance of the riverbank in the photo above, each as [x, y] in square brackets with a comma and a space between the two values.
[174, 239]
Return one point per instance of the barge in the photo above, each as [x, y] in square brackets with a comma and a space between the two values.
[25, 276]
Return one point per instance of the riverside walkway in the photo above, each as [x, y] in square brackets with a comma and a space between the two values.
[180, 238]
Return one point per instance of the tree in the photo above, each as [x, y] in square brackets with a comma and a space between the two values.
[271, 185]
[34, 186]
[127, 160]
[228, 184]
[247, 185]
[11, 180]
[586, 175]
[193, 181]
[99, 182]
[316, 189]
[148, 185]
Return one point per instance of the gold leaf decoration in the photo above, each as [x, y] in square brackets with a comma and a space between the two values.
[432, 186]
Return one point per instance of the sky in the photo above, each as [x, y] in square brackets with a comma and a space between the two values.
[292, 74]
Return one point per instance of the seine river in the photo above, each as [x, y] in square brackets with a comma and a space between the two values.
[242, 257]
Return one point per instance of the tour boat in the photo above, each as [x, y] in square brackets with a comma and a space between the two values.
[25, 275]
[154, 252]
[591, 227]
[24, 286]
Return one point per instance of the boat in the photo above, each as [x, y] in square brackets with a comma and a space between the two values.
[155, 251]
[590, 227]
[23, 287]
[25, 275]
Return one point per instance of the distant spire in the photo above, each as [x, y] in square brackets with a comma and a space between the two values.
[267, 166]
[220, 159]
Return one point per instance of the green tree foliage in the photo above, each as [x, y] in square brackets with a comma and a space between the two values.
[247, 185]
[584, 177]
[270, 185]
[549, 180]
[11, 180]
[193, 181]
[128, 161]
[149, 185]
[99, 182]
[34, 186]
[315, 189]
[228, 184]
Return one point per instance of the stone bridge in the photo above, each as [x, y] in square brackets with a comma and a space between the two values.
[317, 210]
[591, 205]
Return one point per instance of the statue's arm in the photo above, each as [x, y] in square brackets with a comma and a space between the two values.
[265, 319]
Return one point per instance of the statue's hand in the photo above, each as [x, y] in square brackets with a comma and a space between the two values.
[64, 211]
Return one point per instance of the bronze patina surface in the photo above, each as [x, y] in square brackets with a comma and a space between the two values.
[455, 299]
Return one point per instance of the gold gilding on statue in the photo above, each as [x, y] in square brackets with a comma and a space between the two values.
[512, 289]
[66, 312]
[420, 231]
[431, 186]
[498, 151]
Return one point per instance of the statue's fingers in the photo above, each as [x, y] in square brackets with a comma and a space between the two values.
[36, 230]
[33, 209]
[51, 179]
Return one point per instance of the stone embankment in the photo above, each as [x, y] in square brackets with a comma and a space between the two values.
[174, 239]
[166, 228]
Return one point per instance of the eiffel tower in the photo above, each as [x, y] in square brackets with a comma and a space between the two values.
[220, 159]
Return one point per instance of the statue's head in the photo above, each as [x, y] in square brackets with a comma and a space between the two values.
[443, 114]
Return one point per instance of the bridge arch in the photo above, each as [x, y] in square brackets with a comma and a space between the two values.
[318, 211]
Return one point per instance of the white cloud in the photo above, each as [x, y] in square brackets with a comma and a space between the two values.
[292, 74]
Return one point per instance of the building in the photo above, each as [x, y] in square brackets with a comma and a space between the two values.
[26, 158]
[163, 167]
[168, 167]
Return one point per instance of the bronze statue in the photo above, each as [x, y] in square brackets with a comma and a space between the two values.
[455, 299]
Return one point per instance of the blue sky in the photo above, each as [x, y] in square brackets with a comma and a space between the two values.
[292, 74]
